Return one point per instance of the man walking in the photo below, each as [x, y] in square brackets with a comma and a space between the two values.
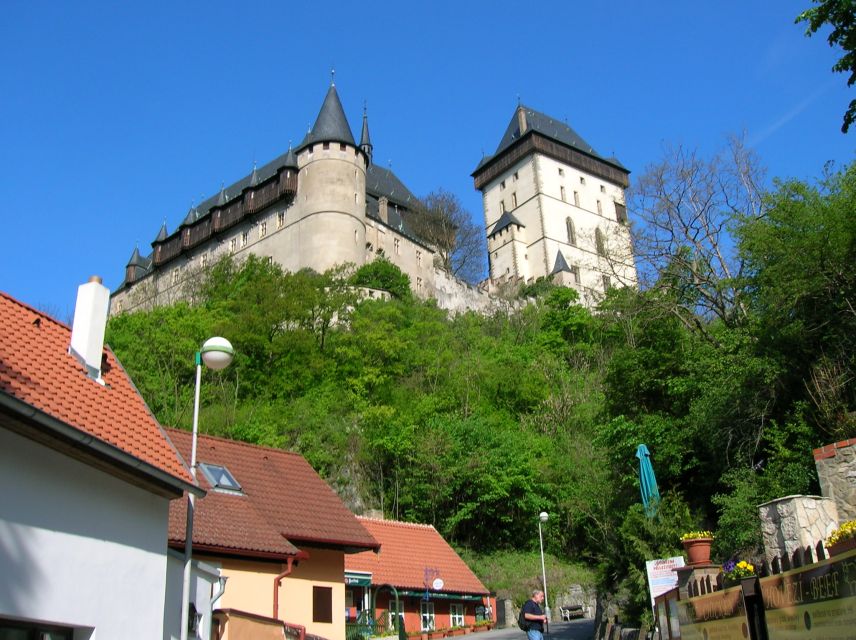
[534, 617]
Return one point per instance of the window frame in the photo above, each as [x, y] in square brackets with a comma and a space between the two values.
[426, 614]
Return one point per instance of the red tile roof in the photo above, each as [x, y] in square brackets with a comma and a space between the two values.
[36, 368]
[410, 552]
[284, 503]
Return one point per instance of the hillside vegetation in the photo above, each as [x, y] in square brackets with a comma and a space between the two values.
[475, 424]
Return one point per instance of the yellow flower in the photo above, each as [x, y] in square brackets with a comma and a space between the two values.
[844, 532]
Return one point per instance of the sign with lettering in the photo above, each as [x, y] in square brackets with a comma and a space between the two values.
[817, 601]
[720, 615]
[662, 576]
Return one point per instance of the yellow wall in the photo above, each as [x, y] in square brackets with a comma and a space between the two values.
[250, 589]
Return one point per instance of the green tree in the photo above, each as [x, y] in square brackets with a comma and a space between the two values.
[840, 15]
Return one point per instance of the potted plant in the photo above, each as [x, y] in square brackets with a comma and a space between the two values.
[733, 572]
[697, 545]
[842, 539]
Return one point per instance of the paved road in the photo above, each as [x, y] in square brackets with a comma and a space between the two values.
[574, 630]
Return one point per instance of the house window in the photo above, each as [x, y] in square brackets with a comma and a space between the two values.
[392, 613]
[562, 194]
[456, 614]
[607, 283]
[245, 238]
[233, 244]
[280, 219]
[575, 270]
[426, 609]
[598, 242]
[621, 213]
[322, 604]
[599, 207]
[219, 477]
[577, 198]
[396, 244]
[572, 233]
[262, 229]
[561, 171]
[418, 258]
[513, 200]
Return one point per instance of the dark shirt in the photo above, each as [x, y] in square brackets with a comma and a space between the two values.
[530, 606]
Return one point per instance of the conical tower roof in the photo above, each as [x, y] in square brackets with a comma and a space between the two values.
[162, 234]
[561, 264]
[290, 158]
[136, 259]
[365, 138]
[331, 125]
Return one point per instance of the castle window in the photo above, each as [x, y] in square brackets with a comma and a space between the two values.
[397, 246]
[325, 146]
[175, 273]
[245, 238]
[311, 149]
[621, 213]
[607, 283]
[341, 146]
[599, 207]
[418, 258]
[575, 271]
[356, 237]
[582, 180]
[514, 200]
[514, 177]
[502, 206]
[502, 185]
[233, 245]
[418, 283]
[577, 198]
[602, 189]
[204, 260]
[263, 229]
[572, 234]
[561, 171]
[598, 242]
[280, 219]
[562, 194]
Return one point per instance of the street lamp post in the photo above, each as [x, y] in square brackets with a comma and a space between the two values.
[543, 517]
[216, 353]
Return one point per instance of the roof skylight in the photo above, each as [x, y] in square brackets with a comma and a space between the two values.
[220, 477]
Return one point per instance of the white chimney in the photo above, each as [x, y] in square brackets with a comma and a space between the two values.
[90, 321]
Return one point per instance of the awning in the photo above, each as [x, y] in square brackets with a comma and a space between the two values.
[436, 595]
[358, 579]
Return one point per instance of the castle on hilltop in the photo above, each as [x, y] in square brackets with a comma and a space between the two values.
[325, 203]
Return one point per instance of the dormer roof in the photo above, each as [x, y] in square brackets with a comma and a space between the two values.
[505, 220]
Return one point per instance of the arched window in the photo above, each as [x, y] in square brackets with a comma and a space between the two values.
[598, 242]
[572, 234]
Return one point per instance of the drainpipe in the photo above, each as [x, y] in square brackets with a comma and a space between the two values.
[276, 583]
[218, 593]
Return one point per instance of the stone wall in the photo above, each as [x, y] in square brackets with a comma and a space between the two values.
[836, 470]
[795, 522]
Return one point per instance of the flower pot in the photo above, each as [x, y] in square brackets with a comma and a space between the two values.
[698, 550]
[842, 546]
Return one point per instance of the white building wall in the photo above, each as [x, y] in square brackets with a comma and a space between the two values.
[78, 547]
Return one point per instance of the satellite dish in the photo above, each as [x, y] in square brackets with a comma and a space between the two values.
[438, 584]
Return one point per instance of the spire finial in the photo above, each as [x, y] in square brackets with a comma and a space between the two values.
[332, 76]
[518, 100]
[365, 107]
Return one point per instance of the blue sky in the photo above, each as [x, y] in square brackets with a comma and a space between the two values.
[117, 116]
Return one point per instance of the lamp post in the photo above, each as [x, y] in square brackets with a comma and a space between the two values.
[216, 353]
[543, 517]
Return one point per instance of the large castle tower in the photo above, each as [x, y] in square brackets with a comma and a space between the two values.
[554, 207]
[329, 225]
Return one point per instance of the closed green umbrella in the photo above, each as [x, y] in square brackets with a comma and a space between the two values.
[647, 481]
